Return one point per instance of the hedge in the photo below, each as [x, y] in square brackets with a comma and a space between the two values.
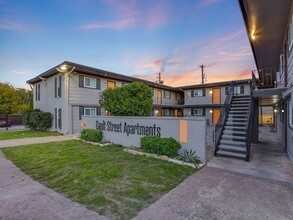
[37, 120]
[89, 134]
[161, 146]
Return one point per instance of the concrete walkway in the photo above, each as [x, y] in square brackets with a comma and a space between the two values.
[23, 198]
[36, 140]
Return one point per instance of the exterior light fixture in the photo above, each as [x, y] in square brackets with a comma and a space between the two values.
[65, 69]
[252, 36]
[282, 110]
[211, 111]
[211, 92]
[275, 110]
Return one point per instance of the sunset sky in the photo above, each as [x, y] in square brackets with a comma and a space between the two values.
[136, 37]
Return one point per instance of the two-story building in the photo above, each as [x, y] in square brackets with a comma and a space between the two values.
[207, 99]
[71, 90]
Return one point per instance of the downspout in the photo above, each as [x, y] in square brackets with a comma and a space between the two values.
[69, 117]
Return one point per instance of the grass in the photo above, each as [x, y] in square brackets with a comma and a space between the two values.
[104, 179]
[8, 135]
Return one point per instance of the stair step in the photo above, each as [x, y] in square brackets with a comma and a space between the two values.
[233, 137]
[238, 108]
[235, 119]
[231, 154]
[232, 128]
[239, 133]
[237, 124]
[233, 143]
[237, 112]
[240, 105]
[237, 115]
[240, 101]
[232, 148]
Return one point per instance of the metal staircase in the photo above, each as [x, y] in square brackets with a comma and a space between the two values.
[233, 131]
[234, 137]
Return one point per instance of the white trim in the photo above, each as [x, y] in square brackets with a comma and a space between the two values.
[90, 111]
[198, 92]
[199, 110]
[91, 80]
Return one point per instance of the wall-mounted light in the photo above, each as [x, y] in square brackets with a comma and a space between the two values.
[275, 110]
[211, 111]
[211, 92]
[283, 110]
[252, 36]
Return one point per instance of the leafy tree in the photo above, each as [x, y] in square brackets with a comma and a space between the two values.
[134, 99]
[13, 101]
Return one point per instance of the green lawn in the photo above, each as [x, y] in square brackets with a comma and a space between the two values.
[104, 179]
[7, 135]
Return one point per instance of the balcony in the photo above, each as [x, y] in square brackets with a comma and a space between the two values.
[266, 78]
[164, 101]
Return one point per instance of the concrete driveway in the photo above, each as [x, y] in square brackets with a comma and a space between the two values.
[214, 193]
[229, 188]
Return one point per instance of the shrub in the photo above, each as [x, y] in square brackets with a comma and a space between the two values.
[89, 134]
[189, 156]
[134, 99]
[160, 146]
[37, 120]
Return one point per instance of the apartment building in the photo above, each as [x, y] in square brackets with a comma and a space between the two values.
[269, 25]
[70, 90]
[207, 99]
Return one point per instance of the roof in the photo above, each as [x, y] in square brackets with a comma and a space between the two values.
[100, 73]
[216, 84]
[267, 20]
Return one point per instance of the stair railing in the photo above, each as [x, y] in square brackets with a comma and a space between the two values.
[250, 116]
[219, 128]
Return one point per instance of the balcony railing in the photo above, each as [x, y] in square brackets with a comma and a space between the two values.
[165, 101]
[267, 77]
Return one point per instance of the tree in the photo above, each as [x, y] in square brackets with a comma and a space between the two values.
[134, 99]
[13, 101]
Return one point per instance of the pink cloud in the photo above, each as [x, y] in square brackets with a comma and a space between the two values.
[13, 26]
[156, 16]
[120, 24]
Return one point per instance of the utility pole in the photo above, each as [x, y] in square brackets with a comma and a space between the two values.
[160, 77]
[203, 75]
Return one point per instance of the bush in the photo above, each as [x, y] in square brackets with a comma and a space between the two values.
[189, 156]
[91, 135]
[160, 146]
[37, 120]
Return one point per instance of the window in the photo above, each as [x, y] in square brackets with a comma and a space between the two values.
[226, 90]
[90, 111]
[239, 90]
[198, 92]
[166, 112]
[198, 112]
[38, 92]
[90, 82]
[167, 94]
[111, 84]
[290, 112]
[58, 118]
[178, 97]
[58, 86]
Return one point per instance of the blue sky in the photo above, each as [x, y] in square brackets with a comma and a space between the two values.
[136, 37]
